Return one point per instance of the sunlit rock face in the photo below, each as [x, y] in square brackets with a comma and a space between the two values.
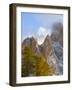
[31, 42]
[51, 53]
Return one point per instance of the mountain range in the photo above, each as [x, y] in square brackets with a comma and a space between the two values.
[51, 50]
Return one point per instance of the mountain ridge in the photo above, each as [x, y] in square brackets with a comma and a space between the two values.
[48, 51]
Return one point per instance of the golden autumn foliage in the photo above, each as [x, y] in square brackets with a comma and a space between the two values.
[34, 65]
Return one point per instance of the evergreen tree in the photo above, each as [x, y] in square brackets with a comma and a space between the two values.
[34, 65]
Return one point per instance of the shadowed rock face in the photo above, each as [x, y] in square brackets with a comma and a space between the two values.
[57, 44]
[57, 34]
[51, 50]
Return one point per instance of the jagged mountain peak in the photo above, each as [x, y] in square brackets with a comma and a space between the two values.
[47, 37]
[29, 41]
[47, 43]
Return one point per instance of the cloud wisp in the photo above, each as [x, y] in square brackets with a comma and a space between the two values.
[41, 34]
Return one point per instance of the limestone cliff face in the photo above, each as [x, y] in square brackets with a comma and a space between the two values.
[31, 42]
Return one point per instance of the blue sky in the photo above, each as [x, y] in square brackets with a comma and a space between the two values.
[38, 24]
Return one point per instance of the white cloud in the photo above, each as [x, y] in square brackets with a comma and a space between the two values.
[42, 31]
[41, 34]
